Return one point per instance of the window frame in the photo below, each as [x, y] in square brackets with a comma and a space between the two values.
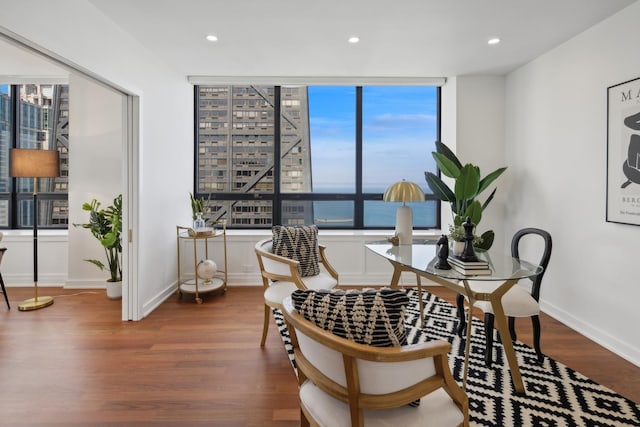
[13, 196]
[277, 198]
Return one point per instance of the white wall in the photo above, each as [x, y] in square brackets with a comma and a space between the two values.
[473, 127]
[556, 133]
[95, 170]
[165, 174]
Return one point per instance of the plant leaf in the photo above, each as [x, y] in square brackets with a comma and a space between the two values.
[97, 263]
[489, 199]
[487, 180]
[467, 183]
[445, 151]
[474, 211]
[446, 166]
[439, 188]
[487, 240]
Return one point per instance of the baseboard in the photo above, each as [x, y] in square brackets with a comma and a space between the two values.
[618, 347]
[159, 298]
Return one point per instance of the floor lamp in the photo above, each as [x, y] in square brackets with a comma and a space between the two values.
[31, 163]
[404, 191]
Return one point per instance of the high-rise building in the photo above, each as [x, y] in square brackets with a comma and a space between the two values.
[237, 150]
[43, 124]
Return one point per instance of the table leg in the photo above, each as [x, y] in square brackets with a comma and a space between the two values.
[420, 302]
[507, 343]
[395, 279]
[467, 344]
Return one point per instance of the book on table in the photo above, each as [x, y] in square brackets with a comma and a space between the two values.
[479, 264]
[471, 271]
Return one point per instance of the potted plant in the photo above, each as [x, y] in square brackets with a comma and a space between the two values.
[197, 205]
[468, 184]
[106, 226]
[197, 210]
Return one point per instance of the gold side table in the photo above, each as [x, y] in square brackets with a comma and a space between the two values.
[190, 282]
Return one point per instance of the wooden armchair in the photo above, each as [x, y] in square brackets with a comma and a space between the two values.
[343, 383]
[280, 277]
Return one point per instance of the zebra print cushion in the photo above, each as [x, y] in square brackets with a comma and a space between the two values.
[299, 243]
[373, 317]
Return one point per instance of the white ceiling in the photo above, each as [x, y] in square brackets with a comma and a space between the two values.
[407, 38]
[300, 38]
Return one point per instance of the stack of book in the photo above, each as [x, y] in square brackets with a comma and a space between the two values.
[469, 268]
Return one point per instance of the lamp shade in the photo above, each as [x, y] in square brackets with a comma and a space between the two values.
[403, 191]
[32, 163]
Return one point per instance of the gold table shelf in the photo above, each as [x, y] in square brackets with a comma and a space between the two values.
[191, 283]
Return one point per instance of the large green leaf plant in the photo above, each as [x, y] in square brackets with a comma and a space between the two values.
[468, 184]
[106, 226]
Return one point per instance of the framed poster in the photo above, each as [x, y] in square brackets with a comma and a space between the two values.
[623, 153]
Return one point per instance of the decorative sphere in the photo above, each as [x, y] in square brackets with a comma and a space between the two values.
[206, 269]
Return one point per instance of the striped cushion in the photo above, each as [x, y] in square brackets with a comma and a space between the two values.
[373, 317]
[299, 243]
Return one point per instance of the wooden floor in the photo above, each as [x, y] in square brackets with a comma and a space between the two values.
[76, 364]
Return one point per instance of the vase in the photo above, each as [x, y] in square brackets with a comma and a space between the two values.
[198, 223]
[114, 289]
[457, 248]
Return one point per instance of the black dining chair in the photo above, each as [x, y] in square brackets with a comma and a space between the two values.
[4, 291]
[517, 302]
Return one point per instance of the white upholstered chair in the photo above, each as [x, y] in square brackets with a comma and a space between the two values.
[518, 301]
[280, 277]
[343, 383]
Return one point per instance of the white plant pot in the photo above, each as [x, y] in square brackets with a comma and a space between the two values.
[114, 290]
[457, 248]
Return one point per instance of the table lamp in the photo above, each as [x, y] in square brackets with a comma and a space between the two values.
[404, 191]
[32, 163]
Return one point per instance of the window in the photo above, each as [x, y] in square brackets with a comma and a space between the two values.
[314, 154]
[34, 116]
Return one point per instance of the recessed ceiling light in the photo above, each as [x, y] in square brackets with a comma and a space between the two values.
[494, 40]
[354, 39]
[212, 38]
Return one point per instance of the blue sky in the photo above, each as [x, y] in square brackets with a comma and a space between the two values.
[399, 128]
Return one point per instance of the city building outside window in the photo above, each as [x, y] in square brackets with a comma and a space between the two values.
[320, 155]
[34, 116]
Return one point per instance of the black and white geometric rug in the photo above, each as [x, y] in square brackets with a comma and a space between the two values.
[556, 396]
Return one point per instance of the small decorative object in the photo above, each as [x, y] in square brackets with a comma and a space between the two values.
[395, 240]
[456, 236]
[197, 205]
[468, 253]
[443, 253]
[206, 270]
[198, 223]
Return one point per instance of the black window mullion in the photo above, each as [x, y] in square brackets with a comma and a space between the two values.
[196, 139]
[15, 126]
[277, 197]
[358, 208]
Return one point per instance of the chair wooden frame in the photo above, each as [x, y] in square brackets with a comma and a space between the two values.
[276, 268]
[352, 353]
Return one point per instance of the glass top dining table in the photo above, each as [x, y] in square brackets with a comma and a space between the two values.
[421, 257]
